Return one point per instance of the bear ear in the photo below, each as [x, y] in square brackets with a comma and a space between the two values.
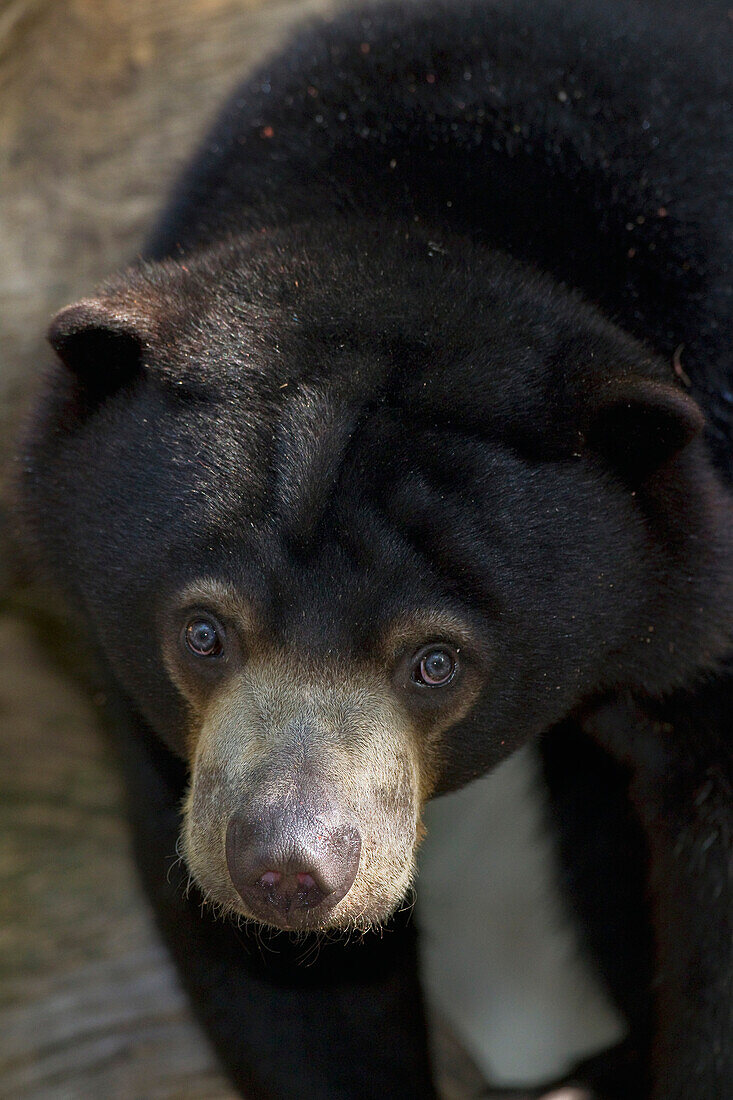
[639, 424]
[101, 343]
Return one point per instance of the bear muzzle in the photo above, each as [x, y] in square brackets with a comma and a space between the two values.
[305, 798]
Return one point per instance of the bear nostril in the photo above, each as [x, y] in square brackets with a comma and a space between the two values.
[287, 893]
[281, 874]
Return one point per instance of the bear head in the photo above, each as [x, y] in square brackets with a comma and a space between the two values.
[353, 513]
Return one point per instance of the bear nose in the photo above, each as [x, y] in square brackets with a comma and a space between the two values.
[287, 872]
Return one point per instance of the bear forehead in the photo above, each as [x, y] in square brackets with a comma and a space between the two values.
[257, 316]
[379, 426]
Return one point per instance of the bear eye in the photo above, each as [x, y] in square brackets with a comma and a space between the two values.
[435, 666]
[204, 638]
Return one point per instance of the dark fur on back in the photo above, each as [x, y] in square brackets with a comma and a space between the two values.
[592, 140]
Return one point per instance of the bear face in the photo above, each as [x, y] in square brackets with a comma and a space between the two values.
[354, 513]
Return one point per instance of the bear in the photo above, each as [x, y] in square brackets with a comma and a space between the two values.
[407, 441]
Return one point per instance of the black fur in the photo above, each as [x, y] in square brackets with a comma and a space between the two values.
[327, 388]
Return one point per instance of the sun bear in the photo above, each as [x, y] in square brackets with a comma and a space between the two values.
[405, 445]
